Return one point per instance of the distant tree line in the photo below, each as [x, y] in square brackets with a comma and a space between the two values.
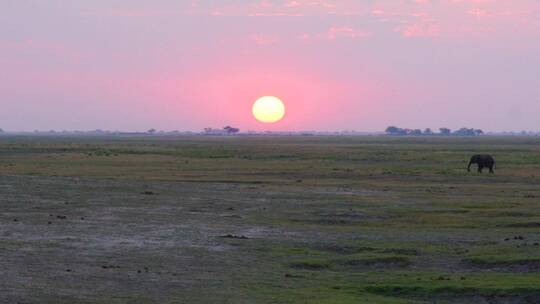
[393, 130]
[228, 130]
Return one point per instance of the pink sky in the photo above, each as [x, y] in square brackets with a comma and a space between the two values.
[338, 65]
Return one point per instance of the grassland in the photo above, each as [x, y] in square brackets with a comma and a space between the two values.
[268, 220]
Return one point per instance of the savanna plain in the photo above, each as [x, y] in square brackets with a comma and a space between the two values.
[268, 219]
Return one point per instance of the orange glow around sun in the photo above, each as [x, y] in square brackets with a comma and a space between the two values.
[268, 109]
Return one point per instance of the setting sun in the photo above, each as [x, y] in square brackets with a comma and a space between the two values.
[268, 109]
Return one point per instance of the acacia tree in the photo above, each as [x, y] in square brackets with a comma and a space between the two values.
[464, 132]
[445, 131]
[392, 130]
[231, 130]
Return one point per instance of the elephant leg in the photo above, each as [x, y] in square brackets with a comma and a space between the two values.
[491, 170]
[480, 168]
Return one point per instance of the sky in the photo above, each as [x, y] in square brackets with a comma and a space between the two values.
[132, 65]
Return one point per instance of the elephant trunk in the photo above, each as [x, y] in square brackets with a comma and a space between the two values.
[469, 167]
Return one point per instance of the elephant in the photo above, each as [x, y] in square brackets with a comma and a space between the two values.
[483, 161]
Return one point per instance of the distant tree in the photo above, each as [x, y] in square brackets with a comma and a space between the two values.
[1, 130]
[151, 131]
[468, 132]
[392, 130]
[445, 131]
[415, 132]
[428, 131]
[231, 130]
[463, 132]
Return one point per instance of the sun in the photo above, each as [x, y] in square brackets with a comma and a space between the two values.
[268, 109]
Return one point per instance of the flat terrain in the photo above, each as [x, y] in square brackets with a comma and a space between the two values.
[268, 220]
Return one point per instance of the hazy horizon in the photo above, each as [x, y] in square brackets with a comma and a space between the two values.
[337, 65]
